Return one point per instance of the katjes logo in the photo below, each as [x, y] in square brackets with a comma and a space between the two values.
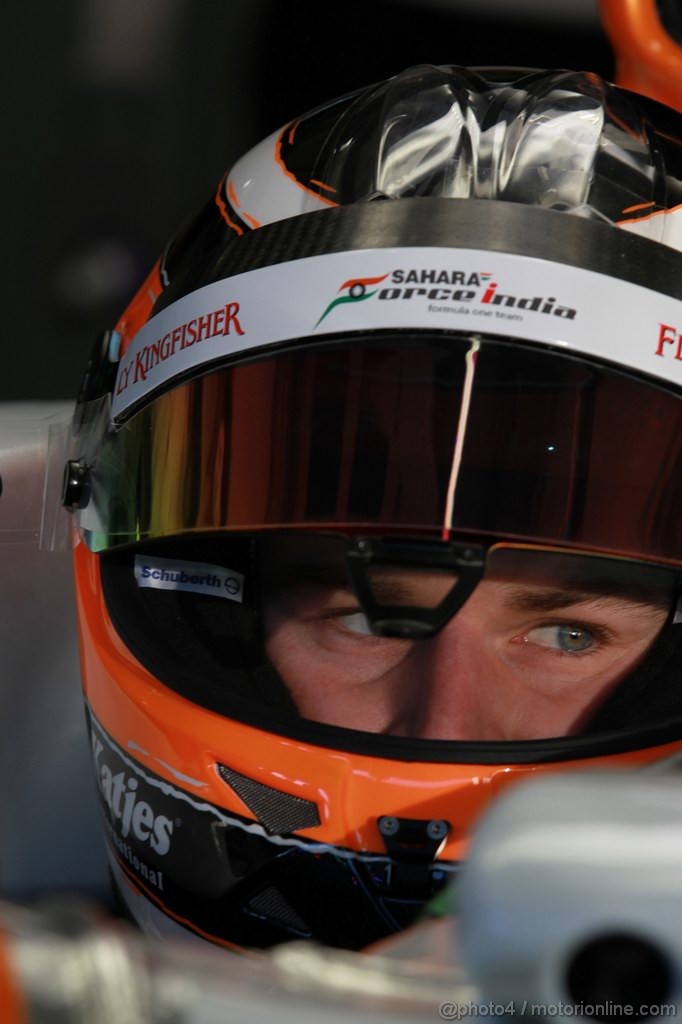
[447, 286]
[130, 814]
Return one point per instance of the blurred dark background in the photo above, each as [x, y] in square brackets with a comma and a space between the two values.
[119, 117]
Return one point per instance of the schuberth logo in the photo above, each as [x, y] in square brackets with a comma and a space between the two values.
[469, 288]
[218, 323]
[194, 577]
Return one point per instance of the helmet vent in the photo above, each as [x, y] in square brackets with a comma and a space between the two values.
[277, 812]
[271, 904]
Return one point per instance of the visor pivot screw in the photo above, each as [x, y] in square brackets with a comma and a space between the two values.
[388, 826]
[437, 829]
[75, 489]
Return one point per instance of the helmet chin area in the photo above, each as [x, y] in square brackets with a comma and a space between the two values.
[271, 805]
[378, 503]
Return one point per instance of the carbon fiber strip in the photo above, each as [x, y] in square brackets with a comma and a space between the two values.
[475, 223]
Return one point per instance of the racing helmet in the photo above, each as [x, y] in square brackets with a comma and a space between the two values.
[376, 488]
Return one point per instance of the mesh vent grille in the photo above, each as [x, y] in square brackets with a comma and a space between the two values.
[277, 812]
[271, 904]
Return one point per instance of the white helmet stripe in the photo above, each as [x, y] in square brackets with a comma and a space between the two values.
[663, 226]
[261, 190]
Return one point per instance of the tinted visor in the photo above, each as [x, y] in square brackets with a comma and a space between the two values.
[427, 435]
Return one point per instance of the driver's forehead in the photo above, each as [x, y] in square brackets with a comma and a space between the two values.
[320, 574]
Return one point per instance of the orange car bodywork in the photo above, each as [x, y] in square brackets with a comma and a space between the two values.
[649, 61]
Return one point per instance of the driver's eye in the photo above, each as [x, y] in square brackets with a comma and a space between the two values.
[569, 638]
[355, 623]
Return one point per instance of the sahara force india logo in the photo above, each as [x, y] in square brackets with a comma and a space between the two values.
[355, 291]
[468, 288]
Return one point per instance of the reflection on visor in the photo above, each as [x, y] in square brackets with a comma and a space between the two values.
[531, 651]
[528, 444]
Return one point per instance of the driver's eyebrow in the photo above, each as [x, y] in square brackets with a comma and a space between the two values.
[387, 587]
[325, 574]
[546, 600]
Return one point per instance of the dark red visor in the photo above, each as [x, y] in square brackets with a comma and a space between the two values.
[430, 434]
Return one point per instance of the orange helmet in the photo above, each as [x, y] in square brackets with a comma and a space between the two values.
[378, 502]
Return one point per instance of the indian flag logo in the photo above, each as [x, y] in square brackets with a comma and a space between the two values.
[354, 290]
